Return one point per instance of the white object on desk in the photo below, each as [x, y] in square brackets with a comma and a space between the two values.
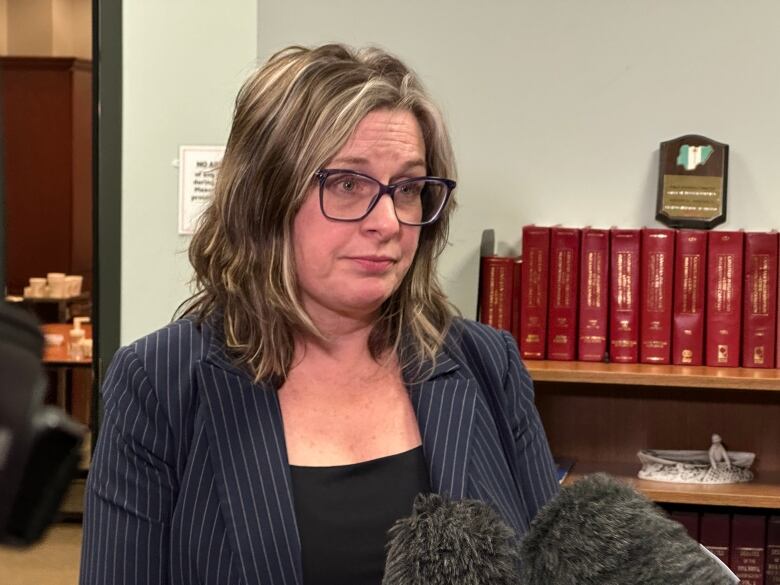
[73, 283]
[53, 339]
[56, 281]
[86, 348]
[37, 287]
[75, 349]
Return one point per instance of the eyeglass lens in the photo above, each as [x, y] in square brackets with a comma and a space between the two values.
[347, 196]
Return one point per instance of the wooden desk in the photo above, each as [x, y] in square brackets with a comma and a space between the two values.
[57, 355]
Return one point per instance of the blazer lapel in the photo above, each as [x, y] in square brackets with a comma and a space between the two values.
[249, 458]
[444, 404]
[461, 441]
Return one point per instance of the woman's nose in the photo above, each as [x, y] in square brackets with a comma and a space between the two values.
[383, 218]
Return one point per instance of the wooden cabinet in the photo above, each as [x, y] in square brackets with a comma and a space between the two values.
[47, 140]
[602, 414]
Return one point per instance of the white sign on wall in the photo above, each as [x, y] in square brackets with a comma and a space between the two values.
[198, 167]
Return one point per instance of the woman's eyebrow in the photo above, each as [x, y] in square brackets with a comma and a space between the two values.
[360, 162]
[412, 164]
[349, 160]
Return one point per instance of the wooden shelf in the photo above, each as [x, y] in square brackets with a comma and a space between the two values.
[655, 375]
[762, 492]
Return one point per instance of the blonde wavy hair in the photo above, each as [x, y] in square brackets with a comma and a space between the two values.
[291, 117]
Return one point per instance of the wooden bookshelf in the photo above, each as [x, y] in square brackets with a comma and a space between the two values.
[762, 492]
[655, 375]
[601, 414]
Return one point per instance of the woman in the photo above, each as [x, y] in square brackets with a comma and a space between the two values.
[319, 379]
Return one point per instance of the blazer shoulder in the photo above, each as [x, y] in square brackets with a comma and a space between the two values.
[161, 369]
[181, 342]
[168, 357]
[469, 340]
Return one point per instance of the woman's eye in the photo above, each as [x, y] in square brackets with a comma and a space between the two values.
[347, 185]
[411, 189]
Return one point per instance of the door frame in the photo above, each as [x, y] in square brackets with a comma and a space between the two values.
[107, 190]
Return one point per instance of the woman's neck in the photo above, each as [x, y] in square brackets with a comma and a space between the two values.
[344, 342]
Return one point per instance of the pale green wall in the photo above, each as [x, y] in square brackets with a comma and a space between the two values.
[184, 61]
[557, 107]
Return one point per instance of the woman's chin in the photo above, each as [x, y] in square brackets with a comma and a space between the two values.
[366, 303]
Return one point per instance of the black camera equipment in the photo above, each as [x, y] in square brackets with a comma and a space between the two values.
[39, 445]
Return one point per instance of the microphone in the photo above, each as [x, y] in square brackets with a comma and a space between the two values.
[597, 531]
[447, 542]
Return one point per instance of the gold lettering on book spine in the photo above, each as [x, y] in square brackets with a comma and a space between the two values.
[625, 277]
[497, 285]
[492, 292]
[535, 271]
[690, 283]
[724, 287]
[565, 279]
[772, 560]
[759, 276]
[593, 265]
[656, 300]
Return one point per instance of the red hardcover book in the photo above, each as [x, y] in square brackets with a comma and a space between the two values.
[760, 300]
[517, 267]
[748, 546]
[656, 301]
[624, 295]
[715, 534]
[594, 297]
[773, 550]
[690, 520]
[724, 298]
[496, 292]
[777, 331]
[564, 281]
[690, 279]
[533, 295]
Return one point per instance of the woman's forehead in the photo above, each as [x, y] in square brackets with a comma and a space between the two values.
[384, 133]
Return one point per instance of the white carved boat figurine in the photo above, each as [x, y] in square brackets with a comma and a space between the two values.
[694, 467]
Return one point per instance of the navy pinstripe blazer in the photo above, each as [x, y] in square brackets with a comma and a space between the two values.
[190, 481]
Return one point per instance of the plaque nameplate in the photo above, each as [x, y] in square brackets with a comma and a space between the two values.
[692, 181]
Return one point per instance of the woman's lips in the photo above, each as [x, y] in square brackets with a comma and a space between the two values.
[373, 264]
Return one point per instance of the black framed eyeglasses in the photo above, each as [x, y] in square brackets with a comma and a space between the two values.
[350, 196]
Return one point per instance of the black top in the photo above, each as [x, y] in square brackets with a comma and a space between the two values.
[344, 513]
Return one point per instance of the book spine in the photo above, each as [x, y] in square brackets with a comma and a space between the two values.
[689, 520]
[690, 263]
[562, 316]
[760, 300]
[772, 576]
[624, 296]
[748, 545]
[724, 298]
[594, 297]
[517, 268]
[656, 301]
[715, 534]
[533, 296]
[496, 293]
